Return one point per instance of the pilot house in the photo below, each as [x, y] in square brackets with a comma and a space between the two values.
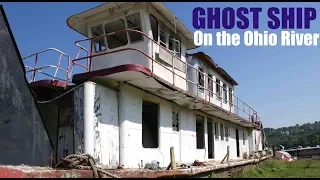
[132, 91]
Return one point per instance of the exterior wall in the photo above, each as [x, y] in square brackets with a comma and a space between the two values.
[184, 141]
[192, 76]
[258, 140]
[104, 120]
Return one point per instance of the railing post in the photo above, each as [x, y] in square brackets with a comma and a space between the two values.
[34, 71]
[172, 68]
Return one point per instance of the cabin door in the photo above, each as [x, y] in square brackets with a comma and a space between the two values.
[237, 141]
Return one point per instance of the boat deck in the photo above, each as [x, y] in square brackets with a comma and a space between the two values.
[47, 172]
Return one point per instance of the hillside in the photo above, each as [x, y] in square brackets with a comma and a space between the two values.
[299, 135]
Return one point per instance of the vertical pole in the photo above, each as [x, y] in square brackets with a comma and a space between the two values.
[228, 154]
[88, 115]
[172, 159]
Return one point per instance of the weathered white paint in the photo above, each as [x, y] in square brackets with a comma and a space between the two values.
[259, 140]
[192, 76]
[102, 127]
[184, 141]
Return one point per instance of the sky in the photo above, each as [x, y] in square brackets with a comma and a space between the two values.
[280, 83]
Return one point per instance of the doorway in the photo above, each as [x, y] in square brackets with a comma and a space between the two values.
[150, 125]
[237, 141]
[210, 139]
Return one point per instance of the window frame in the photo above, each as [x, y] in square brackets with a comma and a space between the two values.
[141, 27]
[126, 28]
[125, 25]
[93, 41]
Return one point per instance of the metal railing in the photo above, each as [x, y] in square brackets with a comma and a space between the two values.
[235, 105]
[34, 70]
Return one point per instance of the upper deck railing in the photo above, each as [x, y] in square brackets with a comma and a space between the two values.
[34, 70]
[236, 105]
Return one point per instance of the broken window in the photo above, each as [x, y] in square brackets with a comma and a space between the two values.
[134, 23]
[218, 89]
[117, 39]
[99, 43]
[174, 42]
[225, 94]
[200, 132]
[175, 120]
[201, 79]
[210, 85]
[150, 126]
[154, 27]
[244, 139]
[226, 131]
[221, 132]
[216, 131]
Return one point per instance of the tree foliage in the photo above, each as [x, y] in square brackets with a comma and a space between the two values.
[299, 135]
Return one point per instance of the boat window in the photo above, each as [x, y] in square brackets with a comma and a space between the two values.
[175, 120]
[225, 94]
[174, 42]
[201, 79]
[118, 39]
[163, 36]
[221, 132]
[99, 43]
[134, 23]
[210, 85]
[154, 27]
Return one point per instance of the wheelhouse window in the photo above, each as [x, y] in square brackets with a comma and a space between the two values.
[119, 38]
[201, 79]
[134, 23]
[218, 89]
[210, 85]
[154, 27]
[225, 93]
[99, 43]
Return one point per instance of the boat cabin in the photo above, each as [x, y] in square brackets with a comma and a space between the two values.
[139, 33]
[133, 89]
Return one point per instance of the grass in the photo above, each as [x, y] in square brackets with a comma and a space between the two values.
[283, 169]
